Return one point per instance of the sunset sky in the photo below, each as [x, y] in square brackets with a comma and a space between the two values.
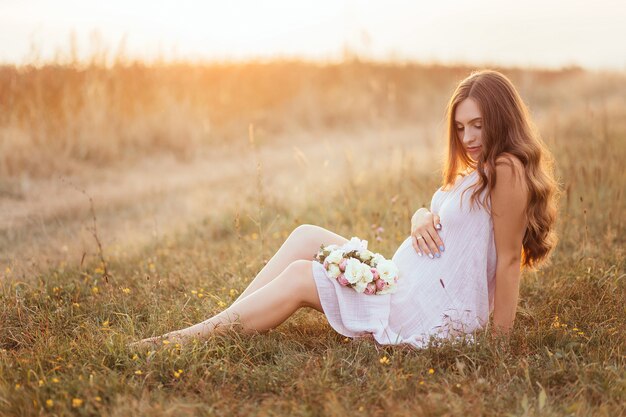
[530, 33]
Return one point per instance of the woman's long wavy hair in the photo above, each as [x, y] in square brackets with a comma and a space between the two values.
[507, 129]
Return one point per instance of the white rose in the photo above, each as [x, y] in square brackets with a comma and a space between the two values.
[335, 257]
[366, 254]
[366, 274]
[387, 270]
[353, 272]
[355, 244]
[377, 258]
[333, 270]
[360, 286]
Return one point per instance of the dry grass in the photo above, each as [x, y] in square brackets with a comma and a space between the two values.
[58, 118]
[62, 332]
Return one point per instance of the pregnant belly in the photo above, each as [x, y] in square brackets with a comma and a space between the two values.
[422, 271]
[414, 269]
[461, 269]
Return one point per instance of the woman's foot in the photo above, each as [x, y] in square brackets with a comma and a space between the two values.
[171, 338]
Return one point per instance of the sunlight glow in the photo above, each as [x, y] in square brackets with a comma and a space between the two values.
[531, 33]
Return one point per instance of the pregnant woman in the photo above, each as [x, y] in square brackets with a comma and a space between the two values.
[493, 216]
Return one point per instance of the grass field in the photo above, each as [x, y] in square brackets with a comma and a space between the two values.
[63, 328]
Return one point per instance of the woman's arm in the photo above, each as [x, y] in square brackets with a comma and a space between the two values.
[508, 203]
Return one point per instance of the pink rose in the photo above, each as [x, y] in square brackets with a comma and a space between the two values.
[370, 289]
[380, 284]
[343, 280]
[375, 273]
[342, 265]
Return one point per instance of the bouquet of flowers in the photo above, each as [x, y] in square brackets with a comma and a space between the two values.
[353, 265]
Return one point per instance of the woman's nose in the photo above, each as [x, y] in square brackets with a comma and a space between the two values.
[467, 137]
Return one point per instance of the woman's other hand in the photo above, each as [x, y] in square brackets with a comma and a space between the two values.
[425, 224]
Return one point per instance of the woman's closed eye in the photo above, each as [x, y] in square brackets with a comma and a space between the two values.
[460, 128]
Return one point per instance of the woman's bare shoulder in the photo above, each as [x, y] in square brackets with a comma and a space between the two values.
[510, 167]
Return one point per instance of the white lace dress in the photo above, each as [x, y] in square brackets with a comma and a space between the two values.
[439, 297]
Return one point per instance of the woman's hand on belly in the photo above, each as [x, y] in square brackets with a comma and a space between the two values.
[424, 235]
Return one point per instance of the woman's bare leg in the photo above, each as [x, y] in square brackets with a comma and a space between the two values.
[264, 309]
[302, 243]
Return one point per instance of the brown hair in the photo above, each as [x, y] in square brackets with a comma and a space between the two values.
[507, 129]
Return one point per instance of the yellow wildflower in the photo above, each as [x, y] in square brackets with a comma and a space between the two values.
[431, 371]
[178, 373]
[233, 292]
[166, 342]
[138, 372]
[194, 292]
[76, 402]
[18, 386]
[49, 403]
[126, 290]
[41, 382]
[105, 323]
[95, 290]
[384, 360]
[135, 357]
[75, 305]
[98, 398]
[55, 380]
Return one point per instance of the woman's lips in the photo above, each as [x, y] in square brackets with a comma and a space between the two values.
[474, 149]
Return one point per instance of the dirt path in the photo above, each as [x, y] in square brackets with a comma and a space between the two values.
[51, 222]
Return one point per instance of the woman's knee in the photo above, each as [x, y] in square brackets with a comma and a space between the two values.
[313, 236]
[298, 268]
[304, 231]
[300, 276]
[306, 239]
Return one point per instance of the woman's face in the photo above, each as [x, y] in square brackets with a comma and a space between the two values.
[468, 122]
